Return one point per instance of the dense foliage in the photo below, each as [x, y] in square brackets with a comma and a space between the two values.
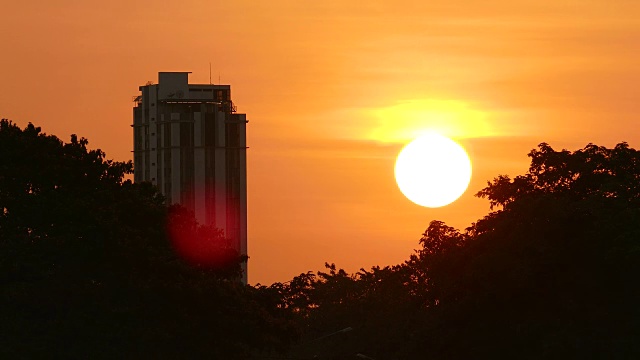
[551, 274]
[87, 269]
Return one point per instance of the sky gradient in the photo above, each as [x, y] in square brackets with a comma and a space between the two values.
[332, 91]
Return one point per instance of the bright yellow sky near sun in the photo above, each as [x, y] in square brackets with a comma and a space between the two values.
[333, 90]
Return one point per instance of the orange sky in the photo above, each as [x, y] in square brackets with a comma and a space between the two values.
[333, 89]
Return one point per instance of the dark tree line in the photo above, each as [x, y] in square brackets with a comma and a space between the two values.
[552, 272]
[88, 270]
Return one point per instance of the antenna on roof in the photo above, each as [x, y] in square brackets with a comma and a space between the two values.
[219, 82]
[209, 72]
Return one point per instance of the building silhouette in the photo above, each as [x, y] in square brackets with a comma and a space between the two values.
[190, 142]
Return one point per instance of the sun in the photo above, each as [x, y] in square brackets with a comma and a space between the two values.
[433, 170]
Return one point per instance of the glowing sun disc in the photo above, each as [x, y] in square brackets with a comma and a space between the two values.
[433, 170]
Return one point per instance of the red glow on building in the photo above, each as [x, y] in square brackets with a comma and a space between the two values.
[199, 245]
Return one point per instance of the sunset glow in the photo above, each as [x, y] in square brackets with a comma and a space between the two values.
[333, 90]
[411, 119]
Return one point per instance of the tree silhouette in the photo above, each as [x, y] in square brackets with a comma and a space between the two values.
[592, 171]
[88, 271]
[551, 272]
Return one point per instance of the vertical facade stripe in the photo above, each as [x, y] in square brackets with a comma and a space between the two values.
[199, 171]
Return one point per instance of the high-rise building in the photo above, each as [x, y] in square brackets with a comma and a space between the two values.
[190, 142]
